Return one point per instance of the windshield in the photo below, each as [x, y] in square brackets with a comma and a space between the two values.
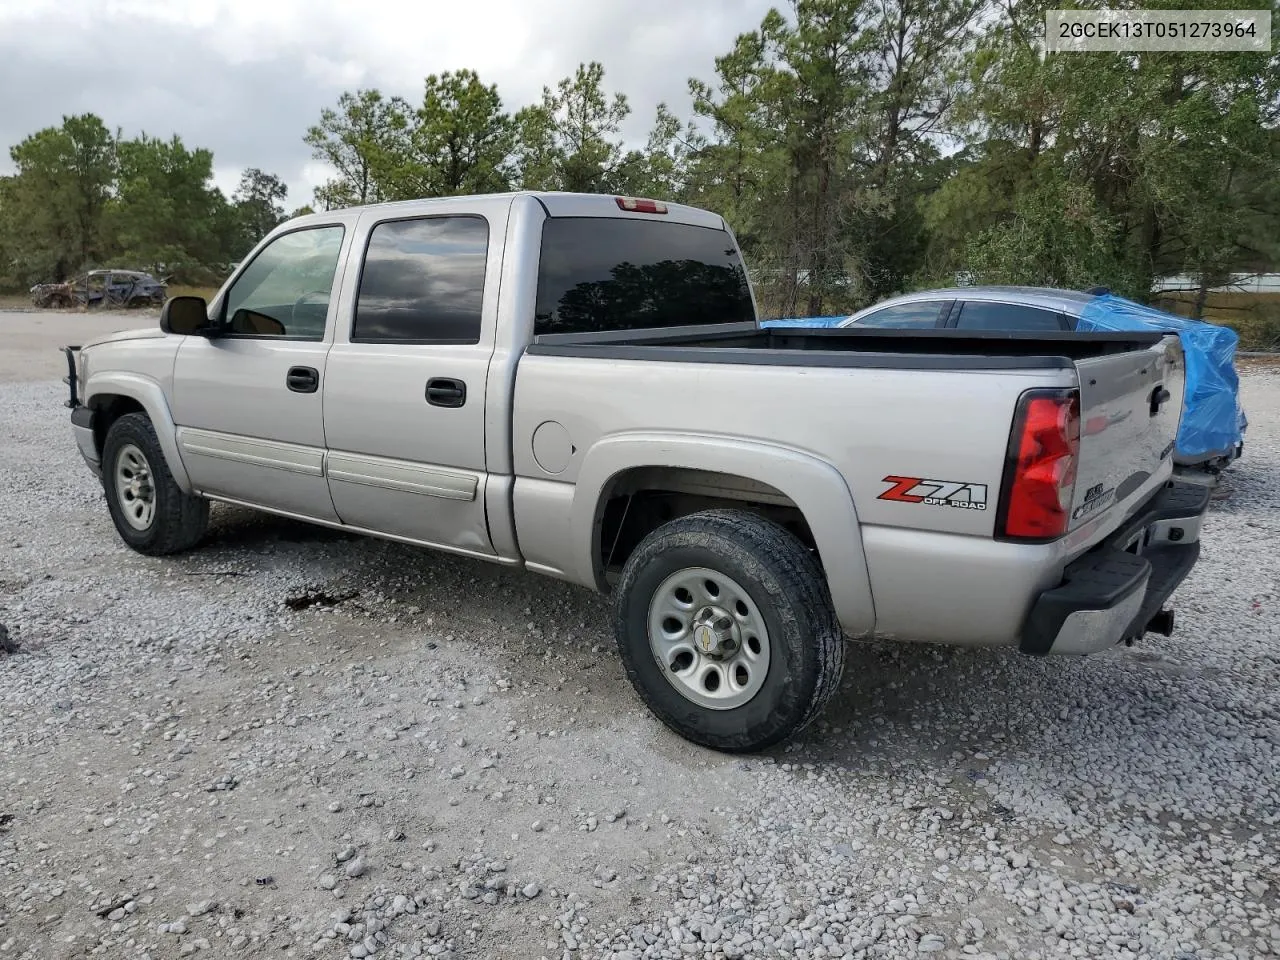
[600, 274]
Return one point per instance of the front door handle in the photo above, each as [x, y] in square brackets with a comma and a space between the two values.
[446, 392]
[303, 379]
[1159, 396]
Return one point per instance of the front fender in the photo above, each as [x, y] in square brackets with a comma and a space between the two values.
[814, 485]
[151, 396]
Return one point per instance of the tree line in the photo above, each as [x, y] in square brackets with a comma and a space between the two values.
[856, 147]
[83, 196]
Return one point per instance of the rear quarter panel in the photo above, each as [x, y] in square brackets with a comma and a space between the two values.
[932, 567]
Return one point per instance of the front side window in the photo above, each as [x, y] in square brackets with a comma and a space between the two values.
[913, 315]
[600, 274]
[285, 291]
[423, 281]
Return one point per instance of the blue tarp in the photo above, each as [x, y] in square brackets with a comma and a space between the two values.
[1213, 422]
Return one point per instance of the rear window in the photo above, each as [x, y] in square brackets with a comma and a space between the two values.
[990, 315]
[599, 274]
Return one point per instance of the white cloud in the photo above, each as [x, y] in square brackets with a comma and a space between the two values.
[246, 77]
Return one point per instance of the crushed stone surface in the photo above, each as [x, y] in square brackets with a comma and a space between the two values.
[295, 743]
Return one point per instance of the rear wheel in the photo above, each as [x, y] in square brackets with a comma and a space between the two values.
[726, 629]
[149, 509]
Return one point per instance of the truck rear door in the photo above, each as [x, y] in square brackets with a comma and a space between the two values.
[404, 393]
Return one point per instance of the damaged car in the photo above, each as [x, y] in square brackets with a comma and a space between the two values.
[102, 288]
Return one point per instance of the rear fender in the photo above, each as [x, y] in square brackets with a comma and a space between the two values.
[815, 486]
[150, 395]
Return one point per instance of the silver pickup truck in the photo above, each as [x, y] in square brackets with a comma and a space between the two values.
[577, 385]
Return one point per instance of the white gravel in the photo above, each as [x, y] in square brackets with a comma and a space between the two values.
[449, 762]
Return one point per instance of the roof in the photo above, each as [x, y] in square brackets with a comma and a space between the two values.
[556, 203]
[1071, 302]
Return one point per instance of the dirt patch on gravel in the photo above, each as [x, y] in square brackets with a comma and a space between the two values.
[32, 339]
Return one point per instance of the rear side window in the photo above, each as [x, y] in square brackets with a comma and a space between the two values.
[918, 313]
[423, 281]
[598, 274]
[984, 315]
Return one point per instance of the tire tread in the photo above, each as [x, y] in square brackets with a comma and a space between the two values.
[181, 519]
[770, 551]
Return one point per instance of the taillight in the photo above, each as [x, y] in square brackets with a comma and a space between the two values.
[637, 205]
[1040, 467]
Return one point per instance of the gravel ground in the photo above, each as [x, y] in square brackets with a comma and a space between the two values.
[296, 742]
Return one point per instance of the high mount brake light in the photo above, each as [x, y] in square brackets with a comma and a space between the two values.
[1040, 466]
[637, 205]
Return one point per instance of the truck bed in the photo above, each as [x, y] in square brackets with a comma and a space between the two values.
[929, 349]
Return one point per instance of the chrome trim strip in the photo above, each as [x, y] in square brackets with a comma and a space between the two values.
[291, 458]
[402, 476]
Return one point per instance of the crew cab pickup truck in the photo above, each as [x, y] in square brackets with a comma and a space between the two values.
[578, 385]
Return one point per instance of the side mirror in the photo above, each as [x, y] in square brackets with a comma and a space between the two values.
[184, 315]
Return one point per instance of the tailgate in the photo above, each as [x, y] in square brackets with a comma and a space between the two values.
[1127, 428]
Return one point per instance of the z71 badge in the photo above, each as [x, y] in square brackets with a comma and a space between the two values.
[1095, 498]
[936, 493]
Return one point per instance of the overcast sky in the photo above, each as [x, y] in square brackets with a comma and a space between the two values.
[245, 78]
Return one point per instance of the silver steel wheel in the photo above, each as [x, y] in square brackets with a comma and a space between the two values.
[135, 491]
[709, 638]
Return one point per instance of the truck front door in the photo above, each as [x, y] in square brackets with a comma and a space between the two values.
[248, 403]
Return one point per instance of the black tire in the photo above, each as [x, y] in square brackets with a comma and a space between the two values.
[786, 585]
[178, 521]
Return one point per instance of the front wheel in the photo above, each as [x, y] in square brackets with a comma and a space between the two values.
[726, 630]
[150, 511]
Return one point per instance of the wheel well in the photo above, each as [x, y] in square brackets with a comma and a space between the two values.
[107, 409]
[636, 502]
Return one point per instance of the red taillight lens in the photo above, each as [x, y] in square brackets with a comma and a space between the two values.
[637, 205]
[1040, 472]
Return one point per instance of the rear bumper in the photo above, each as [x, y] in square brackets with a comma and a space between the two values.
[1112, 593]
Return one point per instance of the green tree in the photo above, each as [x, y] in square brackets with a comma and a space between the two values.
[366, 141]
[824, 129]
[915, 56]
[784, 114]
[662, 169]
[1057, 236]
[570, 141]
[734, 170]
[461, 141]
[166, 209]
[1164, 153]
[53, 209]
[259, 204]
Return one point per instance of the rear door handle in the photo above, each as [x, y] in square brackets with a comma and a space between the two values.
[303, 379]
[446, 392]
